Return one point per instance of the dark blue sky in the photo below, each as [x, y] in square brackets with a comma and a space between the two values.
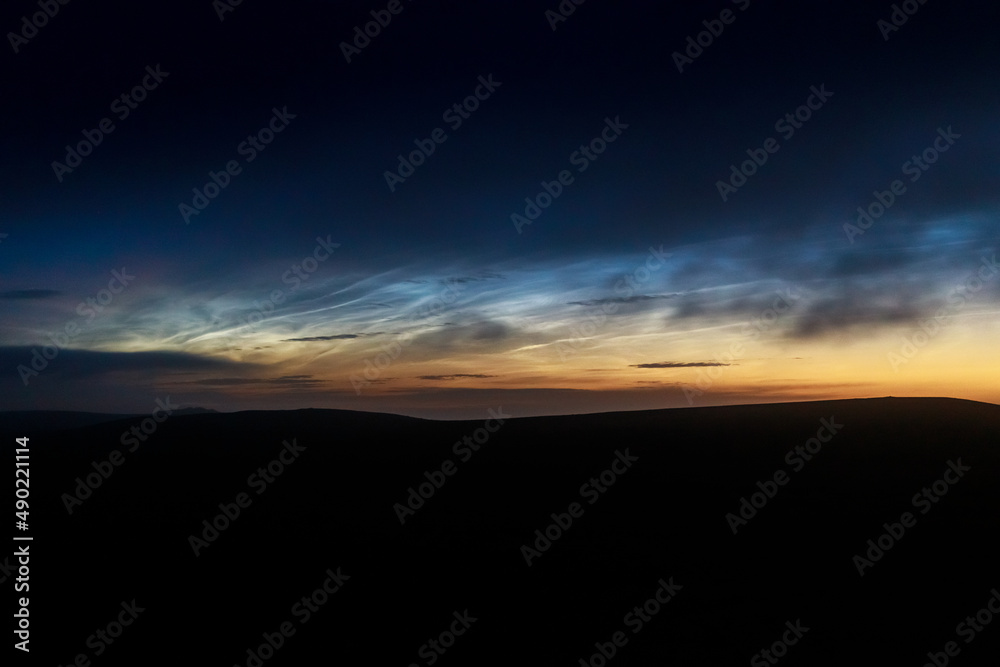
[450, 222]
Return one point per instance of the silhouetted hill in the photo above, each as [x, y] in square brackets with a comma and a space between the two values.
[680, 472]
[52, 420]
[55, 420]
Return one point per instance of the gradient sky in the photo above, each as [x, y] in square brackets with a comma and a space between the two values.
[639, 286]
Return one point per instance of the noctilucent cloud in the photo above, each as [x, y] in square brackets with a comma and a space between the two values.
[438, 208]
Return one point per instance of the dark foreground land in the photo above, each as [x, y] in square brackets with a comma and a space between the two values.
[661, 518]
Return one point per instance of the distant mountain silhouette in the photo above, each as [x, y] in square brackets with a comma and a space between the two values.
[194, 411]
[673, 483]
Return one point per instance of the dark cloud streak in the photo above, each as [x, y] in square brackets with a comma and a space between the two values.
[680, 364]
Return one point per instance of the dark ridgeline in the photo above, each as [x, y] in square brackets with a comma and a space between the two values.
[664, 517]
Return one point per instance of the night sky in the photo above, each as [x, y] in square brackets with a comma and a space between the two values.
[494, 204]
